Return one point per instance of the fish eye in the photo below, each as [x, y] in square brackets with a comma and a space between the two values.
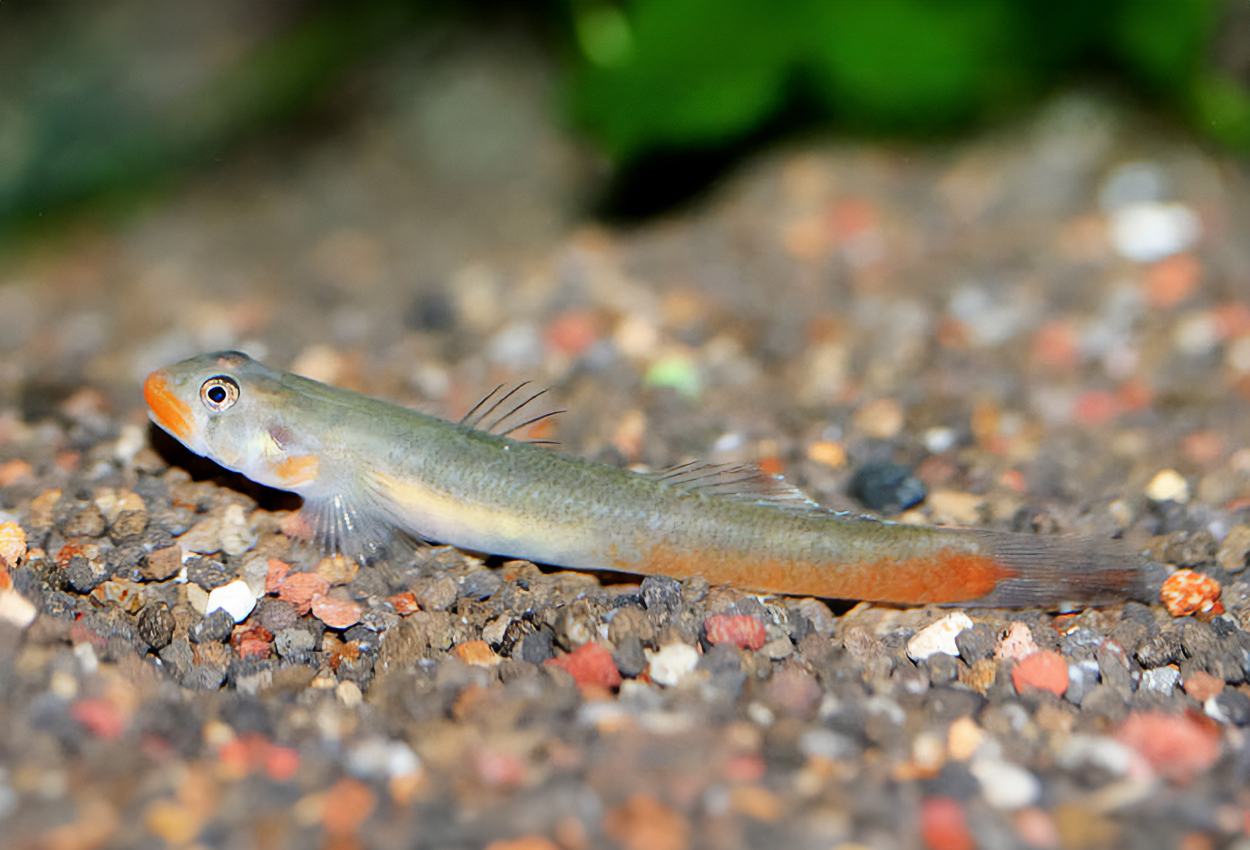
[219, 393]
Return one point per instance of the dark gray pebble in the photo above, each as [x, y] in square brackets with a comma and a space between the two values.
[1113, 668]
[202, 677]
[177, 657]
[1082, 678]
[152, 491]
[294, 644]
[629, 657]
[721, 658]
[535, 647]
[661, 595]
[84, 576]
[208, 573]
[480, 584]
[1160, 650]
[976, 643]
[366, 638]
[1232, 706]
[156, 625]
[1198, 639]
[1130, 634]
[126, 561]
[942, 668]
[1106, 701]
[887, 487]
[215, 627]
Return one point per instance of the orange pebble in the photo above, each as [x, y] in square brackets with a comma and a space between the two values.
[1186, 592]
[589, 664]
[1045, 670]
[346, 806]
[300, 588]
[476, 653]
[335, 613]
[1172, 280]
[735, 629]
[944, 825]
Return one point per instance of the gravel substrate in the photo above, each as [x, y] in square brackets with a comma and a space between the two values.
[1047, 330]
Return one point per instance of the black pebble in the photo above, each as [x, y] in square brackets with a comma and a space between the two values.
[216, 626]
[661, 594]
[887, 487]
[84, 576]
[208, 574]
[366, 638]
[156, 625]
[975, 643]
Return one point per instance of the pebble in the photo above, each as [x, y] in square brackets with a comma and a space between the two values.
[1161, 679]
[629, 656]
[939, 637]
[294, 643]
[1147, 231]
[1168, 485]
[881, 418]
[16, 609]
[736, 630]
[1177, 746]
[956, 507]
[1017, 644]
[334, 612]
[204, 537]
[671, 663]
[589, 664]
[1202, 686]
[1234, 549]
[235, 598]
[661, 594]
[300, 588]
[12, 543]
[1186, 592]
[644, 823]
[438, 595]
[162, 564]
[236, 532]
[337, 570]
[214, 627]
[476, 653]
[156, 625]
[1004, 785]
[1229, 706]
[964, 738]
[207, 573]
[1045, 670]
[944, 825]
[346, 806]
[887, 487]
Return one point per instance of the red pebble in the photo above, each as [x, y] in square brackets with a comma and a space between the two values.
[1186, 592]
[1177, 746]
[1045, 670]
[336, 613]
[300, 588]
[281, 763]
[1096, 407]
[573, 332]
[277, 572]
[100, 716]
[944, 826]
[741, 630]
[589, 664]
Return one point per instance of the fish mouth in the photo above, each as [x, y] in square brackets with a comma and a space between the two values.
[170, 412]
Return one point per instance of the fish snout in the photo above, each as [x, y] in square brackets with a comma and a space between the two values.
[170, 412]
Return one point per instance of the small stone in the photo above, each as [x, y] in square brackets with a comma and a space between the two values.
[939, 637]
[235, 598]
[1004, 785]
[336, 613]
[1045, 670]
[1168, 486]
[1177, 746]
[881, 418]
[736, 630]
[83, 575]
[1160, 650]
[156, 625]
[589, 664]
[214, 627]
[644, 823]
[207, 573]
[956, 507]
[661, 594]
[1235, 549]
[86, 522]
[1202, 686]
[337, 570]
[235, 532]
[348, 693]
[777, 649]
[204, 537]
[1017, 645]
[129, 526]
[1186, 592]
[345, 806]
[276, 615]
[300, 588]
[438, 595]
[294, 643]
[162, 564]
[16, 609]
[630, 622]
[480, 585]
[1229, 706]
[976, 644]
[12, 543]
[670, 664]
[944, 825]
[793, 690]
[963, 738]
[536, 647]
[1147, 231]
[476, 653]
[1161, 679]
[629, 656]
[887, 487]
[827, 452]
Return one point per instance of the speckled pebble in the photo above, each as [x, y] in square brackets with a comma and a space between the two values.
[156, 625]
[207, 573]
[214, 627]
[1017, 645]
[294, 643]
[1161, 679]
[661, 594]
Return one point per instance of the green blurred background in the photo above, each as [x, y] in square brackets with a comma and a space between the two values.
[105, 102]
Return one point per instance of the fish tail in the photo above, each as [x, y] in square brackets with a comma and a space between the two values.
[1051, 571]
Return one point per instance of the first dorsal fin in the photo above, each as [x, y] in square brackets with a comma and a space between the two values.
[500, 409]
[737, 481]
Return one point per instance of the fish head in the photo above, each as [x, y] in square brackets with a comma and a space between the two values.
[240, 414]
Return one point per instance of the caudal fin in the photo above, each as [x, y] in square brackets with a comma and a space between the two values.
[1055, 571]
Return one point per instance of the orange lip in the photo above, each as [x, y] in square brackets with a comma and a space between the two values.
[171, 413]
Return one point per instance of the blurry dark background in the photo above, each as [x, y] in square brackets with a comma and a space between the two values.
[105, 102]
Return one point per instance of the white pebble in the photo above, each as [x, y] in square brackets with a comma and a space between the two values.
[348, 693]
[1005, 785]
[1162, 679]
[670, 664]
[235, 598]
[1149, 230]
[1168, 486]
[16, 609]
[938, 440]
[938, 637]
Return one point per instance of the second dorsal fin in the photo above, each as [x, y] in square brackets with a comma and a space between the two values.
[499, 411]
[738, 481]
